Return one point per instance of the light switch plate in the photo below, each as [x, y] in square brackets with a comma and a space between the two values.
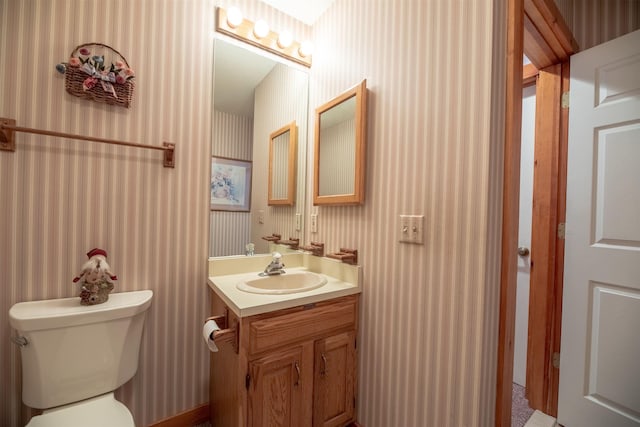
[411, 229]
[314, 223]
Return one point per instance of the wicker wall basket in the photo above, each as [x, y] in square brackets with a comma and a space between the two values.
[103, 75]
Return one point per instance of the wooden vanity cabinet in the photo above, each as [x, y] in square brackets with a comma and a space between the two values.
[294, 368]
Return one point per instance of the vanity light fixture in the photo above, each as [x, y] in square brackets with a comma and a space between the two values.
[234, 17]
[261, 29]
[231, 23]
[305, 49]
[285, 39]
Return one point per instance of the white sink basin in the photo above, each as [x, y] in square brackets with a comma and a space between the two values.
[287, 283]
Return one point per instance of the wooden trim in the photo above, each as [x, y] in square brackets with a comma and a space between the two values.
[292, 148]
[191, 417]
[529, 75]
[543, 241]
[359, 91]
[535, 48]
[556, 320]
[510, 211]
[548, 39]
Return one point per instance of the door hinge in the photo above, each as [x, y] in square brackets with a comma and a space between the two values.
[247, 381]
[556, 360]
[561, 230]
[564, 102]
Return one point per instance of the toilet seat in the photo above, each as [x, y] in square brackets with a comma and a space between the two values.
[101, 411]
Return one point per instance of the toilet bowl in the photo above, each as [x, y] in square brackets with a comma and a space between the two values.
[101, 411]
[75, 356]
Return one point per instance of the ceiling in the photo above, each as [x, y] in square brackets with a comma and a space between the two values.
[307, 11]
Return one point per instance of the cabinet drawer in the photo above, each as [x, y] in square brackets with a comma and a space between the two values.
[272, 332]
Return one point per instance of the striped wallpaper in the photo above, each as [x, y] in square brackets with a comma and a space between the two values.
[596, 21]
[232, 137]
[337, 157]
[61, 198]
[435, 74]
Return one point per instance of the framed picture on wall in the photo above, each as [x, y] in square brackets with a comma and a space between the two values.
[230, 184]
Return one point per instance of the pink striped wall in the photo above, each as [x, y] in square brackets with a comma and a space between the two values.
[596, 21]
[61, 198]
[339, 153]
[429, 313]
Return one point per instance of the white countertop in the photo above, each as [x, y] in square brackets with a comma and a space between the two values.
[245, 304]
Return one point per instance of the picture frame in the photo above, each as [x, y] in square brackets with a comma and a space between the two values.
[230, 185]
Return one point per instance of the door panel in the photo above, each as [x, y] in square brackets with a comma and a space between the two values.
[280, 390]
[334, 385]
[599, 375]
[617, 216]
[613, 347]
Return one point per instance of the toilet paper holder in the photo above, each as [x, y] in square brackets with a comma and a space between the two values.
[227, 333]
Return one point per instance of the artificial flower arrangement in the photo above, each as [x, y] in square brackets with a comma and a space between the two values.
[88, 76]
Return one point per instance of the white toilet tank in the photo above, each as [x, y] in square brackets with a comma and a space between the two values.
[74, 351]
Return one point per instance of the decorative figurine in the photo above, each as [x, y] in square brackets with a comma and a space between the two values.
[95, 279]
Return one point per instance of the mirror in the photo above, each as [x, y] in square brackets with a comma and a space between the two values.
[282, 165]
[340, 141]
[254, 93]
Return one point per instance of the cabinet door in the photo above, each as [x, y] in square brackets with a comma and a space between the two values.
[335, 380]
[280, 388]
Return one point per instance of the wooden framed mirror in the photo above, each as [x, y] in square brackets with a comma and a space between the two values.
[282, 165]
[340, 141]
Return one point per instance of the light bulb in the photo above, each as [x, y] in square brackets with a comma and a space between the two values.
[306, 48]
[285, 39]
[261, 28]
[234, 17]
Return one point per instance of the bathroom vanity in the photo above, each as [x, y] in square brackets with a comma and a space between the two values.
[294, 359]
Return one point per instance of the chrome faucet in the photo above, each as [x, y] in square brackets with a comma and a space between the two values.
[275, 266]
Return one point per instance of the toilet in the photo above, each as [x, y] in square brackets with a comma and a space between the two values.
[75, 356]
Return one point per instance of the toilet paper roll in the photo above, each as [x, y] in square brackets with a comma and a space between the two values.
[207, 329]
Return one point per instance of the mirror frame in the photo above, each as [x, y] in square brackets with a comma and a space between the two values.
[357, 197]
[289, 200]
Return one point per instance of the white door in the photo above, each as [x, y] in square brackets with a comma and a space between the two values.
[527, 148]
[600, 352]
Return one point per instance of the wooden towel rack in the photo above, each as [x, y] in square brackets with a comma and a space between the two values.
[7, 141]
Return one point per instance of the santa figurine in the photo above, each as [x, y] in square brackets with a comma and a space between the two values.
[95, 279]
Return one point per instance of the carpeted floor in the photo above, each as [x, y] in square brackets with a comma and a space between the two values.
[520, 410]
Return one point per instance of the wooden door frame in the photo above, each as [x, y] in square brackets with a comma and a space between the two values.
[534, 26]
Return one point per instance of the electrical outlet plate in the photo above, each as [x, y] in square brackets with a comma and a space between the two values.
[298, 221]
[411, 229]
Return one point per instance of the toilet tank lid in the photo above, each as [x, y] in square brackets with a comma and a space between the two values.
[65, 312]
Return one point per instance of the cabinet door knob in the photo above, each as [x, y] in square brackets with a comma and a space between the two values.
[523, 251]
[297, 366]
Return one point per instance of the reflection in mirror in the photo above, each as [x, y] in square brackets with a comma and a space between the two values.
[254, 93]
[282, 165]
[340, 139]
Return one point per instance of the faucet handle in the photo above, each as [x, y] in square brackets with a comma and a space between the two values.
[277, 256]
